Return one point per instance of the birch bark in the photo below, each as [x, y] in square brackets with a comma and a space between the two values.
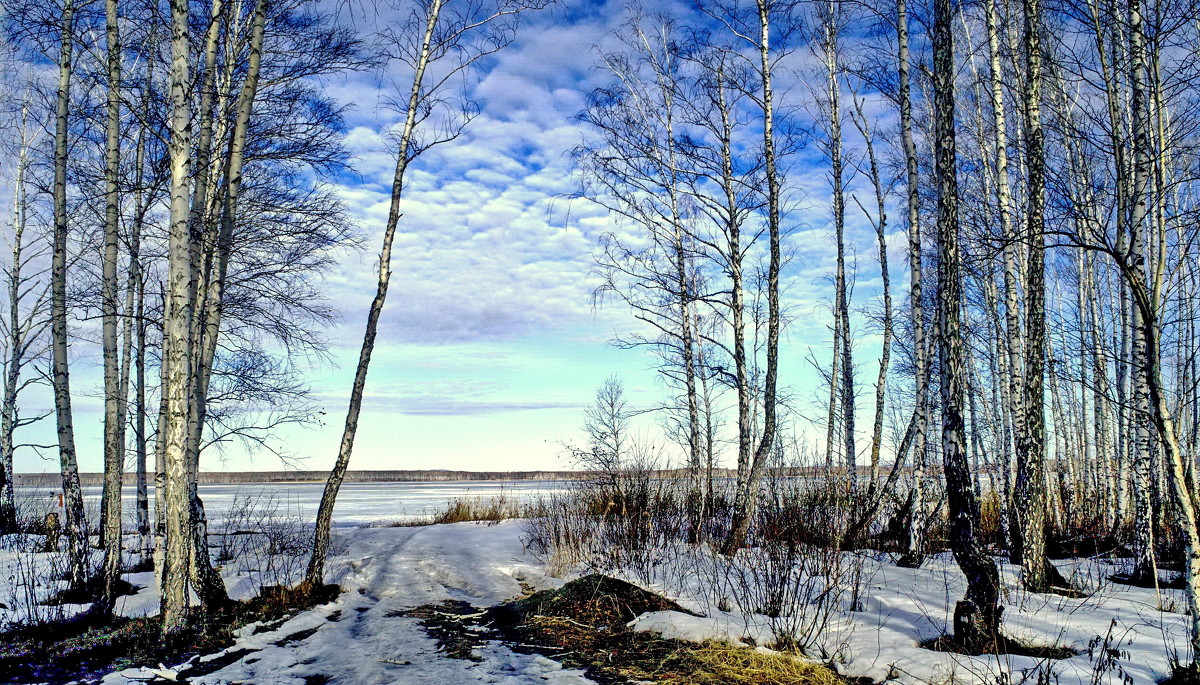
[315, 574]
[75, 523]
[177, 324]
[114, 399]
[977, 615]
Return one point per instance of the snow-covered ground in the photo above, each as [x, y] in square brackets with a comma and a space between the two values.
[362, 638]
[901, 607]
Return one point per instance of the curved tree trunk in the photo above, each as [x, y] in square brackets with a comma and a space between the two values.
[977, 615]
[315, 575]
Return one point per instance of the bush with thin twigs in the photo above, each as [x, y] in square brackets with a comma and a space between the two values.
[263, 538]
[655, 530]
[37, 570]
[792, 572]
[33, 577]
[626, 520]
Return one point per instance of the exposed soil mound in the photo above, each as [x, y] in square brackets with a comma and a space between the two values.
[597, 600]
[86, 593]
[584, 624]
[1004, 645]
[1174, 582]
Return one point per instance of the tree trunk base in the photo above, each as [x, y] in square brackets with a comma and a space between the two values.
[1053, 582]
[976, 631]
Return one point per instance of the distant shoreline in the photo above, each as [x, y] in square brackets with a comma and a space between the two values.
[53, 479]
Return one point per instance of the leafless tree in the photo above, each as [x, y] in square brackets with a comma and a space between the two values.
[460, 35]
[977, 615]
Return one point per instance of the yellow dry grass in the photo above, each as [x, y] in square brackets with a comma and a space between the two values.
[724, 663]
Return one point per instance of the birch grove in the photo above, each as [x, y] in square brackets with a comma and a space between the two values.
[1043, 144]
[197, 237]
[939, 256]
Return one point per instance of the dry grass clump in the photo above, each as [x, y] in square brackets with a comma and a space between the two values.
[493, 509]
[724, 663]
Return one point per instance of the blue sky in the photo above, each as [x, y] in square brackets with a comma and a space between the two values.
[490, 346]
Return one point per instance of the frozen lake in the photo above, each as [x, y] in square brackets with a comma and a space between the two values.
[357, 503]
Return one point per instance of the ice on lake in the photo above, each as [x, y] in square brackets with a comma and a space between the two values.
[358, 504]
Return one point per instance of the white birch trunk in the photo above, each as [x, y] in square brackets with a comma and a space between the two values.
[76, 523]
[315, 574]
[177, 323]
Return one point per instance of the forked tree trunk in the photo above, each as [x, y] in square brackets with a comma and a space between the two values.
[885, 353]
[842, 346]
[835, 381]
[737, 294]
[207, 583]
[1178, 465]
[665, 72]
[1147, 299]
[207, 326]
[876, 492]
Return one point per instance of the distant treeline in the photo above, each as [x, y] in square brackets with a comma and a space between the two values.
[54, 480]
[229, 477]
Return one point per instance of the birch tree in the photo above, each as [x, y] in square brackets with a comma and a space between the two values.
[24, 321]
[114, 394]
[757, 32]
[830, 16]
[977, 615]
[1030, 490]
[75, 523]
[177, 323]
[461, 36]
[920, 421]
[638, 168]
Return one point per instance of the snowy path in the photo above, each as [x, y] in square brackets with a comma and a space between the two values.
[361, 638]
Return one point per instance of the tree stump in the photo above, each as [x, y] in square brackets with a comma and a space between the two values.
[53, 531]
